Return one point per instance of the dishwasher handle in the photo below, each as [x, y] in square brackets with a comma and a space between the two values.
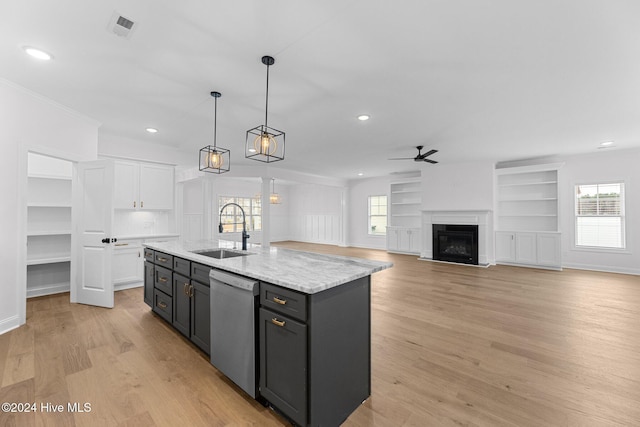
[235, 281]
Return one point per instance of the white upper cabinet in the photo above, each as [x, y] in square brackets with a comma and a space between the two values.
[143, 186]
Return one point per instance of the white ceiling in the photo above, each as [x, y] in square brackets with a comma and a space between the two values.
[491, 80]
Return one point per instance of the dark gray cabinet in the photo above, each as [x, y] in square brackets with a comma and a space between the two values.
[178, 290]
[148, 283]
[181, 304]
[283, 364]
[201, 315]
[315, 351]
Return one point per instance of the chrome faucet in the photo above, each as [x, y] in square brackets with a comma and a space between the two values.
[245, 235]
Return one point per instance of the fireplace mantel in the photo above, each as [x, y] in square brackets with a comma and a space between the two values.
[483, 219]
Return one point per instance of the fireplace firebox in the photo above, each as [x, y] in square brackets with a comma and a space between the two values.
[455, 243]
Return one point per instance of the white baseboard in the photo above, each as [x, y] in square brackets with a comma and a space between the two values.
[56, 288]
[603, 268]
[9, 323]
[123, 286]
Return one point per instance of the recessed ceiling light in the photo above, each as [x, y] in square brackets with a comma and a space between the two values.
[37, 53]
[606, 143]
[364, 117]
[360, 173]
[152, 130]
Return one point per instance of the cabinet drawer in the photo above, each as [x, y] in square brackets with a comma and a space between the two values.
[163, 281]
[181, 266]
[200, 273]
[162, 304]
[283, 300]
[149, 255]
[163, 259]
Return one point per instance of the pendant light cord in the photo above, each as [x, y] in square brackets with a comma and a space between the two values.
[215, 122]
[266, 106]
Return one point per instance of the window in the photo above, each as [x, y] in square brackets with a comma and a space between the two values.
[378, 215]
[600, 215]
[232, 216]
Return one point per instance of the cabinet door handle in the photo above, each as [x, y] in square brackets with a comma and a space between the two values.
[162, 279]
[279, 301]
[190, 291]
[134, 204]
[142, 204]
[185, 289]
[277, 322]
[162, 304]
[161, 259]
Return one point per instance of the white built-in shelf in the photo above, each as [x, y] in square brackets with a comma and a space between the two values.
[33, 233]
[406, 203]
[406, 215]
[50, 259]
[49, 197]
[528, 199]
[48, 205]
[522, 184]
[43, 176]
[527, 215]
[405, 191]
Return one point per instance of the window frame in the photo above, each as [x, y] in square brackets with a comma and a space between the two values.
[623, 217]
[369, 215]
[250, 216]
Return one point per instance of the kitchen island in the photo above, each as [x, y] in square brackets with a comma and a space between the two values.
[313, 320]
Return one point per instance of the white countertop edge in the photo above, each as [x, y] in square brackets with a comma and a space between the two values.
[146, 236]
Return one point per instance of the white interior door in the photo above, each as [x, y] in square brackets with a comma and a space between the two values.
[93, 213]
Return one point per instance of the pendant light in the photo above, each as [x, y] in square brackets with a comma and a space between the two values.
[274, 198]
[264, 143]
[215, 159]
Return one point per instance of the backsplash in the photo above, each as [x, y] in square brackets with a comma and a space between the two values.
[127, 223]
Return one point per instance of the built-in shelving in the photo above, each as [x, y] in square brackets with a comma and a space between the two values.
[527, 199]
[403, 232]
[48, 225]
[527, 221]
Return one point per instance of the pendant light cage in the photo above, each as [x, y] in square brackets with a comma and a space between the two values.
[214, 159]
[264, 143]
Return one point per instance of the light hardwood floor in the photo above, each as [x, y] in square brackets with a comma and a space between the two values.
[451, 346]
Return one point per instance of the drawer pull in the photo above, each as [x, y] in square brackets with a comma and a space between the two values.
[161, 259]
[185, 289]
[279, 301]
[162, 279]
[277, 322]
[162, 304]
[190, 291]
[121, 244]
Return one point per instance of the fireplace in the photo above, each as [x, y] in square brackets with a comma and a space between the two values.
[455, 243]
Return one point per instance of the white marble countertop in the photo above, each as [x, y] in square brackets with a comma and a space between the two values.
[298, 270]
[146, 236]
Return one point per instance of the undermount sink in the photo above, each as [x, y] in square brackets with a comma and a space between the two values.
[221, 253]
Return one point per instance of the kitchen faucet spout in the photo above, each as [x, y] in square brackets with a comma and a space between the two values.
[245, 235]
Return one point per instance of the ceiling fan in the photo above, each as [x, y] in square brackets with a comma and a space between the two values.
[420, 157]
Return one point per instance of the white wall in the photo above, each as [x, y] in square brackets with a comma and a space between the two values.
[359, 192]
[458, 186]
[603, 166]
[29, 121]
[315, 213]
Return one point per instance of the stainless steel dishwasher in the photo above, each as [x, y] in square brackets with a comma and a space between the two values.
[233, 328]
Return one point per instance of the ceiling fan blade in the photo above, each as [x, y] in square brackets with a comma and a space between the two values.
[402, 158]
[430, 161]
[427, 154]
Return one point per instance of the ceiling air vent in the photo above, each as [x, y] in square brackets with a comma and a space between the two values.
[121, 26]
